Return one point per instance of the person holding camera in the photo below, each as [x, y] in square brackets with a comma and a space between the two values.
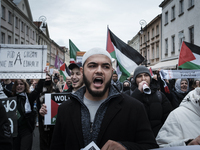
[146, 91]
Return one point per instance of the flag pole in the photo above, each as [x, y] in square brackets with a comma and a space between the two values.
[107, 36]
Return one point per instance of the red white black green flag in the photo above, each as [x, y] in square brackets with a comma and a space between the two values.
[189, 57]
[52, 102]
[127, 57]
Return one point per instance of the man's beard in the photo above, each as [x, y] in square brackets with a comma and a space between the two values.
[96, 93]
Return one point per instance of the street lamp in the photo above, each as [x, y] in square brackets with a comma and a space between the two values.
[41, 19]
[143, 24]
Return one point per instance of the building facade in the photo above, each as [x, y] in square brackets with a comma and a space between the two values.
[17, 27]
[180, 22]
[135, 42]
[150, 41]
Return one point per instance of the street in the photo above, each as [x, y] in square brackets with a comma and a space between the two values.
[36, 139]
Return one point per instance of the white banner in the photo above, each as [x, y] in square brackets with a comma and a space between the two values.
[22, 61]
[178, 74]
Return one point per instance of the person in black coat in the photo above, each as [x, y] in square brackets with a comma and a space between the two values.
[25, 112]
[156, 103]
[99, 113]
[45, 131]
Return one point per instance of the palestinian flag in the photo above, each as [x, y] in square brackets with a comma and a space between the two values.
[64, 70]
[127, 57]
[189, 57]
[65, 87]
[52, 102]
[73, 49]
[54, 110]
[151, 72]
[166, 88]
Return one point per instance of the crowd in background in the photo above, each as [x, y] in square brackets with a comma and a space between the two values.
[162, 107]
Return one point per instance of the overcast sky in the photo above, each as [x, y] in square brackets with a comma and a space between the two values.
[85, 21]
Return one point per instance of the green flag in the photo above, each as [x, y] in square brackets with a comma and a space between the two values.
[73, 49]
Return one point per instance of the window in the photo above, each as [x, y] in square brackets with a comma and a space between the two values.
[152, 32]
[173, 44]
[181, 38]
[157, 29]
[16, 41]
[157, 50]
[181, 7]
[16, 22]
[148, 36]
[166, 18]
[27, 30]
[33, 35]
[141, 40]
[173, 13]
[153, 53]
[9, 39]
[166, 46]
[22, 26]
[190, 3]
[22, 6]
[2, 38]
[191, 32]
[9, 17]
[3, 12]
[145, 38]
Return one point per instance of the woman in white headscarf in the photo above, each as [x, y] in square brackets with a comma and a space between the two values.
[181, 90]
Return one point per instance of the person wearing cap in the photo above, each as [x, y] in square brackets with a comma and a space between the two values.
[98, 113]
[156, 103]
[76, 77]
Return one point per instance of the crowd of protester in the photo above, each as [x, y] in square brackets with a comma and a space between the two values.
[173, 117]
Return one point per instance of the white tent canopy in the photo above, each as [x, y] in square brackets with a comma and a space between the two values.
[165, 65]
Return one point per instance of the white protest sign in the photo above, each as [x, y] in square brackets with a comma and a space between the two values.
[178, 74]
[52, 101]
[22, 61]
[91, 146]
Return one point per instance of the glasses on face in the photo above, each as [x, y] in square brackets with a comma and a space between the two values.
[48, 79]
